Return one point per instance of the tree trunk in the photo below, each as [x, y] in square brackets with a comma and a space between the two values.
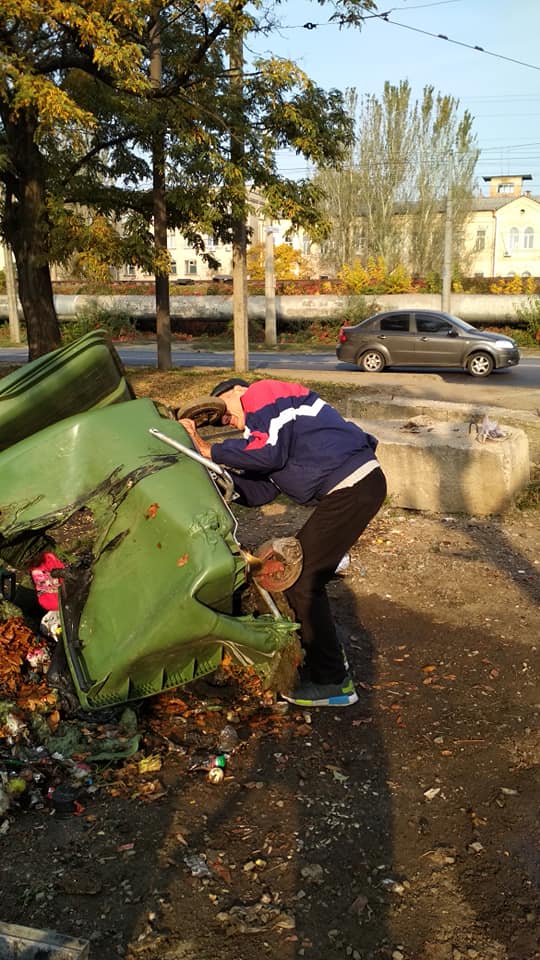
[27, 231]
[37, 300]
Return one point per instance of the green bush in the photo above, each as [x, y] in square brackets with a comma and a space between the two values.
[358, 309]
[529, 316]
[117, 324]
[255, 330]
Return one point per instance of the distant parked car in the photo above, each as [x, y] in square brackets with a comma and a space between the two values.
[424, 338]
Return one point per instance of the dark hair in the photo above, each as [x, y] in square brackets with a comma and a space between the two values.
[226, 385]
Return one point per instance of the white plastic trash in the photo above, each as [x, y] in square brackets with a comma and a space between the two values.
[344, 564]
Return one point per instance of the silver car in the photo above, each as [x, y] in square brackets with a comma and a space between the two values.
[424, 338]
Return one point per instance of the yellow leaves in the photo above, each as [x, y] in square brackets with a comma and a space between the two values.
[289, 264]
[513, 285]
[96, 32]
[358, 278]
[282, 74]
[52, 104]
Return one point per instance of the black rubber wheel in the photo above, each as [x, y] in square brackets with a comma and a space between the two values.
[203, 411]
[372, 361]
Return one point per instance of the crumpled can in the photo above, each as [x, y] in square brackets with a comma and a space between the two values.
[50, 625]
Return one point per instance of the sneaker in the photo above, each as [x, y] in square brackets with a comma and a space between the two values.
[323, 694]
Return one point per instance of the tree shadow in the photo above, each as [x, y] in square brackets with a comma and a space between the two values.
[326, 819]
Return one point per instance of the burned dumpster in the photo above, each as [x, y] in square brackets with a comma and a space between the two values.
[149, 605]
[80, 376]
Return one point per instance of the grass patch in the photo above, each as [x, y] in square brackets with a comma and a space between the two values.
[530, 498]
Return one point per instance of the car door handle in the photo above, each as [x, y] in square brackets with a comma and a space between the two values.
[381, 336]
[424, 338]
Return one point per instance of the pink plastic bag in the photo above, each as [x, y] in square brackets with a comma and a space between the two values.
[46, 585]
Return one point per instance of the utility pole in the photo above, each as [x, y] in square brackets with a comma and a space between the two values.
[13, 312]
[238, 205]
[159, 203]
[447, 255]
[270, 325]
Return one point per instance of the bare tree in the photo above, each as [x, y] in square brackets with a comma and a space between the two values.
[341, 205]
[389, 197]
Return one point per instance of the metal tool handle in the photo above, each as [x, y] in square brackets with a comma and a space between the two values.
[205, 461]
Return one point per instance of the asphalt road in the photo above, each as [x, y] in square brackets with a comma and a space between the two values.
[517, 388]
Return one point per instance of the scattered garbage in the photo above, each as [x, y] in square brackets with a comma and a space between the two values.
[215, 775]
[46, 580]
[50, 625]
[198, 866]
[227, 740]
[487, 430]
[344, 564]
[210, 765]
[64, 803]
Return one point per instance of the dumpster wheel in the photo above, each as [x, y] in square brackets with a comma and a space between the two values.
[277, 564]
[203, 411]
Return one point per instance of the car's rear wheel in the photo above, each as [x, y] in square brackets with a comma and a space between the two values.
[480, 365]
[372, 361]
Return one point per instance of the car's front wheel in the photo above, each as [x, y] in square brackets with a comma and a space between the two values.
[480, 365]
[372, 361]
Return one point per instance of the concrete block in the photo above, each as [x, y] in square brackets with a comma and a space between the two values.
[443, 468]
[25, 943]
[378, 406]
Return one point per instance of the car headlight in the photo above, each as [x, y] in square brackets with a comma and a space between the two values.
[504, 344]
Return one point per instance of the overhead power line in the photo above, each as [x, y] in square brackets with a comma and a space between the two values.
[460, 43]
[385, 17]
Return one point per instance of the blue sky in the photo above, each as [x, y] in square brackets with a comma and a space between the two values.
[503, 96]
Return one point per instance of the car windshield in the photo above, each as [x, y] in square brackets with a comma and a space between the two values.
[462, 324]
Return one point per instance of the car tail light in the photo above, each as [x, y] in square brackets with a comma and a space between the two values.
[342, 336]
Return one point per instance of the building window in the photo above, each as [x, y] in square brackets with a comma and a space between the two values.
[505, 188]
[210, 243]
[480, 243]
[526, 274]
[528, 238]
[171, 239]
[173, 270]
[190, 267]
[513, 239]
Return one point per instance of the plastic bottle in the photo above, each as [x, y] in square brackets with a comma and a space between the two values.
[228, 739]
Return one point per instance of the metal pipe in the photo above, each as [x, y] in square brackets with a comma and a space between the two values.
[194, 455]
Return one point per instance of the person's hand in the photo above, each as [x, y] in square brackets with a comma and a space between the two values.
[202, 446]
[189, 425]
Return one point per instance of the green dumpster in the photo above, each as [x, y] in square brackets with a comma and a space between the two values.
[85, 374]
[152, 607]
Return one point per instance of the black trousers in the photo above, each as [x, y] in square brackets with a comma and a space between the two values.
[331, 530]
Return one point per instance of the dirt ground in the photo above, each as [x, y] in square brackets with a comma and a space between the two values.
[404, 827]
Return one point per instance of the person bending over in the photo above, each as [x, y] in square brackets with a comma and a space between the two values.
[295, 443]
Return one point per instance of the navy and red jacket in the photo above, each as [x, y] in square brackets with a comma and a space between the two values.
[293, 443]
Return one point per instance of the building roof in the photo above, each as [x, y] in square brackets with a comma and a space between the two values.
[494, 203]
[509, 176]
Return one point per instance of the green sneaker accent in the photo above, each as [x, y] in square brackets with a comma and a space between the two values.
[323, 694]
